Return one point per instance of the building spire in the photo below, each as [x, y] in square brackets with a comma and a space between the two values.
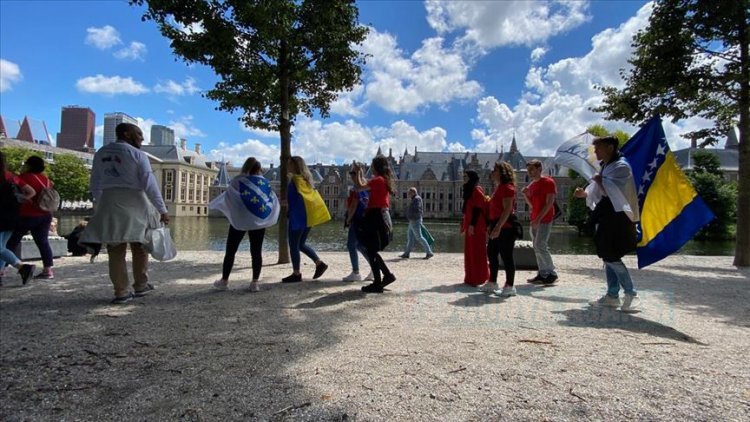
[513, 146]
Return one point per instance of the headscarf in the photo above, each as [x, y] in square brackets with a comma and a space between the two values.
[469, 186]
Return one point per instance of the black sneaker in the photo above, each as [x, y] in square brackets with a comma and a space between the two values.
[122, 300]
[144, 292]
[404, 256]
[26, 271]
[319, 270]
[536, 279]
[429, 255]
[388, 279]
[294, 278]
[550, 279]
[373, 288]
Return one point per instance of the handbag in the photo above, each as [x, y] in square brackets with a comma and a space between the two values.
[159, 244]
[517, 227]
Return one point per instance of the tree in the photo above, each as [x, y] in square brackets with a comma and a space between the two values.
[70, 176]
[16, 156]
[275, 58]
[693, 59]
[719, 195]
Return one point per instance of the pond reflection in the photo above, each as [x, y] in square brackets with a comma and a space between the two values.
[201, 233]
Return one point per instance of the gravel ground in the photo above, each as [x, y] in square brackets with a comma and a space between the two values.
[428, 349]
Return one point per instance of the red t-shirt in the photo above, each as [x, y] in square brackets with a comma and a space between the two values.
[36, 181]
[506, 190]
[538, 192]
[379, 197]
[12, 178]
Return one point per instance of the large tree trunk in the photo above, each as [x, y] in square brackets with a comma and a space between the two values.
[286, 142]
[742, 248]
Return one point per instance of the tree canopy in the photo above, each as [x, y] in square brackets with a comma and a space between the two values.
[691, 60]
[275, 59]
[68, 172]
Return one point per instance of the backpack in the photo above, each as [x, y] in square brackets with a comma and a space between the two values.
[47, 199]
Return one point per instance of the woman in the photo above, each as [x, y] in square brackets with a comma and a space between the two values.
[501, 233]
[376, 229]
[356, 203]
[474, 228]
[33, 218]
[10, 187]
[251, 206]
[306, 210]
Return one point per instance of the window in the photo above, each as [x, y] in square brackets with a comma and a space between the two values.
[441, 196]
[404, 195]
[182, 196]
[205, 210]
[450, 196]
[183, 208]
[335, 203]
[198, 210]
[168, 194]
[191, 208]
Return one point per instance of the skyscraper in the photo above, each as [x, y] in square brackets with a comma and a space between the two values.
[162, 135]
[111, 120]
[77, 125]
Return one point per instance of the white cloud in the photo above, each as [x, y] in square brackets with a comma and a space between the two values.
[261, 132]
[489, 24]
[10, 74]
[135, 51]
[346, 103]
[184, 128]
[431, 75]
[538, 53]
[103, 38]
[173, 88]
[110, 85]
[238, 153]
[145, 125]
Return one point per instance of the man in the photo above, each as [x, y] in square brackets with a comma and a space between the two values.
[414, 213]
[127, 202]
[540, 195]
[613, 198]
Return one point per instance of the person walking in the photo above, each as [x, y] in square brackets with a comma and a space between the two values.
[127, 203]
[376, 230]
[474, 229]
[540, 195]
[356, 203]
[502, 235]
[34, 219]
[251, 206]
[415, 213]
[12, 190]
[306, 210]
[613, 197]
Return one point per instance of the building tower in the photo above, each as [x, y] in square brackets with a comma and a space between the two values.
[111, 120]
[77, 126]
[161, 135]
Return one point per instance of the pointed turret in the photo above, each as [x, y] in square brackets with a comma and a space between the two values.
[222, 178]
[513, 146]
[379, 153]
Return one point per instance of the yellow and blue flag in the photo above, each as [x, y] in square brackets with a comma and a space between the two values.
[671, 210]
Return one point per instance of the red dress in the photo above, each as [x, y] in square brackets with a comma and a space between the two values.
[476, 267]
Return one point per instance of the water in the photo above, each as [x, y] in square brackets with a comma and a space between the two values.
[201, 233]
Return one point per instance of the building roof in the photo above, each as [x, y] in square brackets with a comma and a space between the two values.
[9, 127]
[729, 159]
[222, 179]
[175, 154]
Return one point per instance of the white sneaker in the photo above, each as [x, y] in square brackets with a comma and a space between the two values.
[352, 277]
[488, 287]
[254, 286]
[507, 291]
[369, 277]
[221, 284]
[630, 303]
[606, 301]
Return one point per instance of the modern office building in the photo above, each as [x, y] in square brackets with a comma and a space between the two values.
[161, 135]
[111, 120]
[77, 126]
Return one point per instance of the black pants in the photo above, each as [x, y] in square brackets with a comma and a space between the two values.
[233, 243]
[374, 234]
[503, 246]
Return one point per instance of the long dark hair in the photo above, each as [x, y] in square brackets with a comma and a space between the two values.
[469, 186]
[381, 168]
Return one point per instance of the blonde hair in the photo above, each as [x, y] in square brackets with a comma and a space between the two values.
[507, 175]
[299, 167]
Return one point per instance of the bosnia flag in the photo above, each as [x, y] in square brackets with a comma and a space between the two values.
[671, 210]
[306, 206]
[249, 203]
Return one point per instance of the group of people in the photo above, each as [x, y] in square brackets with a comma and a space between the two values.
[490, 225]
[128, 204]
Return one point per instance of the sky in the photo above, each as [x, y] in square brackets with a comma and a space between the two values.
[440, 76]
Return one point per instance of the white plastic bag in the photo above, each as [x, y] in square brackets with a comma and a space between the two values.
[159, 244]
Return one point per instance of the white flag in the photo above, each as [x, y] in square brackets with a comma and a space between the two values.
[577, 153]
[249, 203]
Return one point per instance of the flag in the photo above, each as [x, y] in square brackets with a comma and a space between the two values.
[249, 203]
[671, 210]
[314, 210]
[577, 153]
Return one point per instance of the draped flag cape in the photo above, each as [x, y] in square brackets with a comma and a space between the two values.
[249, 203]
[671, 210]
[315, 210]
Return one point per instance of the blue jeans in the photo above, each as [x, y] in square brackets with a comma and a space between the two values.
[352, 245]
[540, 240]
[6, 255]
[297, 239]
[415, 232]
[618, 276]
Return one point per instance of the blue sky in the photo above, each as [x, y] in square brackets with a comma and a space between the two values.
[442, 76]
